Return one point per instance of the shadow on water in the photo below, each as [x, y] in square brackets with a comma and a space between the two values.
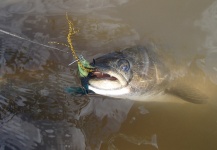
[36, 112]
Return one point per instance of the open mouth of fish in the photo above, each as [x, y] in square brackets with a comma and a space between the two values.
[107, 82]
[104, 76]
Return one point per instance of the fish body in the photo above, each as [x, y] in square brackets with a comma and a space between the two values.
[136, 73]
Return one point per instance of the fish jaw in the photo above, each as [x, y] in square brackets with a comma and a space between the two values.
[118, 93]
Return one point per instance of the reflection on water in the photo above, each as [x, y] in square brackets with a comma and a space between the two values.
[35, 111]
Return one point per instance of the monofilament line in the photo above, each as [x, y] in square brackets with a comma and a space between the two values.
[14, 35]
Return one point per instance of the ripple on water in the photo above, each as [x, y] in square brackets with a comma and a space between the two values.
[18, 134]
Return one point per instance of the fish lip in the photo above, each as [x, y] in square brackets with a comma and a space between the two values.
[114, 76]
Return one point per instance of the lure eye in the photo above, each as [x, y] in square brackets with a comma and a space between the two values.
[124, 65]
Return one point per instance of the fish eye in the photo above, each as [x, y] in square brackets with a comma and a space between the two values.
[124, 65]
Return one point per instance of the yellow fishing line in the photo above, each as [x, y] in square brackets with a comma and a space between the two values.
[83, 65]
[69, 39]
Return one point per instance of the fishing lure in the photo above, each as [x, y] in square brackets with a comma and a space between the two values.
[84, 66]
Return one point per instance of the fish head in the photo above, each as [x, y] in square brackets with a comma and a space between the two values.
[124, 74]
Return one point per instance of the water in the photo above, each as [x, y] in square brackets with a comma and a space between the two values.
[36, 113]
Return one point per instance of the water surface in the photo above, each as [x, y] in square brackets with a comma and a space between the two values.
[36, 112]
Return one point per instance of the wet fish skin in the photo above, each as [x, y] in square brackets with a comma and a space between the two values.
[141, 73]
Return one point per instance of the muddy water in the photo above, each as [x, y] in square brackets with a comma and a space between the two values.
[36, 112]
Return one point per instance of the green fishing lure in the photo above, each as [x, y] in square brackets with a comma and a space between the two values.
[84, 68]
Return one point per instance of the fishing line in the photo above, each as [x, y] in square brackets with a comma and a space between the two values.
[83, 65]
[72, 62]
[14, 35]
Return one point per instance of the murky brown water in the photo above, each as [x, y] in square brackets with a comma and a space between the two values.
[36, 112]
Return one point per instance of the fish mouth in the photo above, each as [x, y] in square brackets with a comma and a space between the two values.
[106, 79]
[104, 76]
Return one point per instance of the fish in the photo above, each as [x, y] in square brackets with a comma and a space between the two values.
[138, 73]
